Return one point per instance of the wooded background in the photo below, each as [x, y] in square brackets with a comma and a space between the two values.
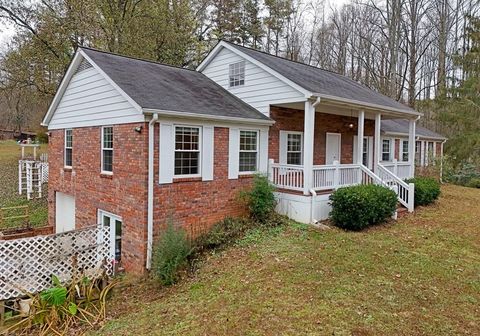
[424, 53]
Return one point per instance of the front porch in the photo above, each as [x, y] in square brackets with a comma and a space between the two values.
[322, 147]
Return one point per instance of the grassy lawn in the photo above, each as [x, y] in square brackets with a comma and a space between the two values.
[10, 153]
[417, 276]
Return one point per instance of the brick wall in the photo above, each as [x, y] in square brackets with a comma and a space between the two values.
[196, 204]
[123, 194]
[292, 120]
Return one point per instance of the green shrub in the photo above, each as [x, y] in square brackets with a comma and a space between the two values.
[356, 207]
[474, 183]
[170, 254]
[427, 190]
[41, 137]
[260, 199]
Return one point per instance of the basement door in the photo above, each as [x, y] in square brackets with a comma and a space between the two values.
[64, 212]
[333, 148]
[113, 222]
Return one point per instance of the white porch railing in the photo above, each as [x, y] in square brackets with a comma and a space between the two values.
[405, 192]
[398, 168]
[330, 177]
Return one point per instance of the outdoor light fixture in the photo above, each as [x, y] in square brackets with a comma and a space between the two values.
[138, 129]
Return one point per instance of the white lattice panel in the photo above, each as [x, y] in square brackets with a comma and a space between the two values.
[44, 171]
[27, 265]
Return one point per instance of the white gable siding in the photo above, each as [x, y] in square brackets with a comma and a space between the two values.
[90, 100]
[261, 89]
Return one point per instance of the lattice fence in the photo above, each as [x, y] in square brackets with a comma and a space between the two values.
[27, 265]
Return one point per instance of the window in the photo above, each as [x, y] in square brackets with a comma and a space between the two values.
[418, 151]
[294, 148]
[107, 149]
[405, 150]
[248, 151]
[237, 74]
[115, 224]
[365, 152]
[187, 150]
[386, 144]
[68, 147]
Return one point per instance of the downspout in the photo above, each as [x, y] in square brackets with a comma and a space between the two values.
[312, 191]
[441, 160]
[151, 141]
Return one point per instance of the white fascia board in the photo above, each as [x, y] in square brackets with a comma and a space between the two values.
[77, 59]
[208, 117]
[109, 80]
[367, 105]
[418, 136]
[223, 44]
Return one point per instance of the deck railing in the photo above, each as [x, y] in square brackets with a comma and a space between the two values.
[405, 191]
[286, 176]
[398, 168]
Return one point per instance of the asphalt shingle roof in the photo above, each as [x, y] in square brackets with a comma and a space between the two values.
[158, 86]
[401, 126]
[322, 81]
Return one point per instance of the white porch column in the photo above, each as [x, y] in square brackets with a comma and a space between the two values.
[361, 129]
[377, 149]
[308, 132]
[411, 146]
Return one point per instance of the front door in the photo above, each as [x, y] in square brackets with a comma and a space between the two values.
[113, 222]
[333, 146]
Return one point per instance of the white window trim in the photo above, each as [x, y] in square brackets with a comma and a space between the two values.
[230, 73]
[65, 149]
[390, 156]
[105, 172]
[200, 135]
[249, 151]
[287, 133]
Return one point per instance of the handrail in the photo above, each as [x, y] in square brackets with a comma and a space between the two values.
[404, 191]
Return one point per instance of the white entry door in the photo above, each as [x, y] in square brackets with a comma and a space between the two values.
[333, 148]
[113, 222]
[64, 212]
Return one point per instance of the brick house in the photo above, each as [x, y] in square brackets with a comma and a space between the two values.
[134, 144]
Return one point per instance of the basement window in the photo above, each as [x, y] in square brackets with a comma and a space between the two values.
[237, 74]
[107, 150]
[68, 148]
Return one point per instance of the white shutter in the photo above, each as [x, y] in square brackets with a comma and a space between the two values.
[283, 147]
[355, 148]
[263, 151]
[233, 152]
[166, 153]
[207, 153]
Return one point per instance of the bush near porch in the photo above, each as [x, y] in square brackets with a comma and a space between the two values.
[356, 207]
[427, 190]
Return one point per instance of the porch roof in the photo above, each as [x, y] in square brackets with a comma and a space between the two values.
[325, 83]
[400, 127]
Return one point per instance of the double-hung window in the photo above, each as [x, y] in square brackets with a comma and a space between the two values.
[386, 149]
[418, 152]
[107, 149]
[405, 150]
[248, 160]
[294, 148]
[68, 148]
[237, 74]
[187, 151]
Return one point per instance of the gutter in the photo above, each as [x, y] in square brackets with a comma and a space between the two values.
[190, 115]
[151, 138]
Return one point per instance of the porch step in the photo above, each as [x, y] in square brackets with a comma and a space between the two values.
[401, 211]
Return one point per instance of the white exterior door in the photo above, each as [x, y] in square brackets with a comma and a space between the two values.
[113, 222]
[64, 212]
[333, 148]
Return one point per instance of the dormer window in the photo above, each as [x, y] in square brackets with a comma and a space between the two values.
[237, 74]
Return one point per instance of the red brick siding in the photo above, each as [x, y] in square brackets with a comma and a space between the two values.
[196, 204]
[292, 120]
[124, 193]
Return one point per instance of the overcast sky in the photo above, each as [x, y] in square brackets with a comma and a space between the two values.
[6, 31]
